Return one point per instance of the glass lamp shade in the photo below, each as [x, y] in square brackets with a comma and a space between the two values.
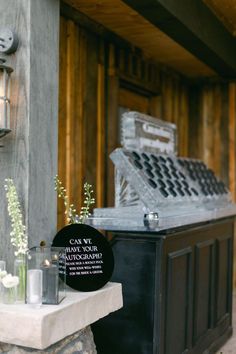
[5, 72]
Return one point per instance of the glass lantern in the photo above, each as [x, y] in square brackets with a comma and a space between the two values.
[45, 280]
[5, 72]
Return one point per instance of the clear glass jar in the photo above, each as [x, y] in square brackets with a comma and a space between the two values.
[50, 262]
[9, 295]
[20, 272]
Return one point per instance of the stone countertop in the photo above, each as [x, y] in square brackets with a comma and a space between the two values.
[39, 328]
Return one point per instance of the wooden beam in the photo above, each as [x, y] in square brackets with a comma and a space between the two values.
[29, 155]
[100, 173]
[112, 122]
[194, 26]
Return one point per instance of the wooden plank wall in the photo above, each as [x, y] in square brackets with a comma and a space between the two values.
[174, 106]
[81, 118]
[232, 139]
[91, 73]
[212, 130]
[85, 136]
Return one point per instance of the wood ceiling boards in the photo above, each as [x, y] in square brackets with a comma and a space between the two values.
[129, 24]
[225, 10]
[194, 26]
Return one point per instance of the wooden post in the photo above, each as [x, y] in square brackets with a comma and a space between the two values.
[112, 123]
[29, 155]
[232, 143]
[100, 175]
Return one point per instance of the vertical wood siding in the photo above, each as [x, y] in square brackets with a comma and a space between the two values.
[91, 71]
[174, 101]
[81, 114]
[212, 128]
[232, 139]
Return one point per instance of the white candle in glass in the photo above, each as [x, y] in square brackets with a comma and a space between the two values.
[34, 287]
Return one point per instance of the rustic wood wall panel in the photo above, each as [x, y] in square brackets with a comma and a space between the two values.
[212, 131]
[69, 109]
[81, 114]
[101, 136]
[174, 101]
[112, 125]
[94, 78]
[212, 128]
[100, 74]
[232, 159]
[90, 111]
[232, 139]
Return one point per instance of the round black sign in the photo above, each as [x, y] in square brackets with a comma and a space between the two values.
[89, 257]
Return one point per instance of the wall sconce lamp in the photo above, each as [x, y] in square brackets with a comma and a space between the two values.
[8, 45]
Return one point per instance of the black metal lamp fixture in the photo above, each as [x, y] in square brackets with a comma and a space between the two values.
[8, 45]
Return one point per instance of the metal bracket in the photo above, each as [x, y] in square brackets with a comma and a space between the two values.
[8, 41]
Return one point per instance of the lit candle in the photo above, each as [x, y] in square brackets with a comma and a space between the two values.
[54, 258]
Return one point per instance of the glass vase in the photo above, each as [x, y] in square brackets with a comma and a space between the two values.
[9, 295]
[2, 269]
[20, 271]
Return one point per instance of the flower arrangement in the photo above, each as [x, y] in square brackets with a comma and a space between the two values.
[72, 216]
[9, 283]
[19, 240]
[18, 234]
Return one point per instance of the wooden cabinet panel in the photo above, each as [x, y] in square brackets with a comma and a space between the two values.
[223, 276]
[131, 331]
[204, 288]
[179, 291]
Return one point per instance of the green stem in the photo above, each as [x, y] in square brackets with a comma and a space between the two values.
[20, 272]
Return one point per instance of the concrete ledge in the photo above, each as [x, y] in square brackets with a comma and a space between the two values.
[39, 328]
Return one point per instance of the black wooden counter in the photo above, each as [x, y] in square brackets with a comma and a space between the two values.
[177, 290]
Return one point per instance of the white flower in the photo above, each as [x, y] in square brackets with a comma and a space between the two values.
[18, 234]
[72, 216]
[3, 273]
[10, 281]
